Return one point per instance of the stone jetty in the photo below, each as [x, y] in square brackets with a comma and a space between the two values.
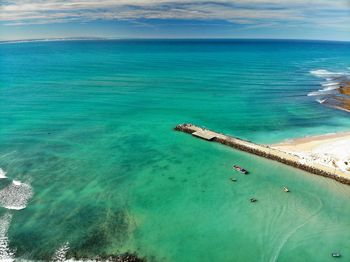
[265, 151]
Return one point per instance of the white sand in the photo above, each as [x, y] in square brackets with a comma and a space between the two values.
[331, 150]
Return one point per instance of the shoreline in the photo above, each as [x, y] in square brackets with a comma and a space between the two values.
[335, 92]
[328, 149]
[313, 137]
[272, 152]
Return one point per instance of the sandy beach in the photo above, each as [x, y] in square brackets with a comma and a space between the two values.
[331, 150]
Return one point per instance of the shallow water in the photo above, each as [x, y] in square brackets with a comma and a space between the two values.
[88, 126]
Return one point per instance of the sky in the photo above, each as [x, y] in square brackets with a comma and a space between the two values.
[272, 19]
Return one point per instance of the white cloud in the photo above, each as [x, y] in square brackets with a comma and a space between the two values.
[252, 12]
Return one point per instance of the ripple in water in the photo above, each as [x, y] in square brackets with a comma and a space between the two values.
[16, 195]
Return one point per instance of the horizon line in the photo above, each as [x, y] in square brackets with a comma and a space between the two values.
[97, 38]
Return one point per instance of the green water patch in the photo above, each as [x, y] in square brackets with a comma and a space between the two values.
[209, 217]
[90, 130]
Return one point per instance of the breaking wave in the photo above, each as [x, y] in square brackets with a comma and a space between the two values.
[61, 253]
[325, 73]
[16, 195]
[331, 84]
[335, 88]
[6, 254]
[2, 173]
[332, 80]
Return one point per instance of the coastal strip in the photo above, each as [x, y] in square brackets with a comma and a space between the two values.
[265, 151]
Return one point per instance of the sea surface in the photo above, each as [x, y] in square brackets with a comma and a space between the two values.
[91, 166]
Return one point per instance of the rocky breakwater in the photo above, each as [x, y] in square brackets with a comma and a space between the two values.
[268, 152]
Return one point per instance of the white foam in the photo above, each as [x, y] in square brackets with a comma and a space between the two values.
[321, 101]
[325, 73]
[6, 254]
[329, 88]
[314, 94]
[16, 195]
[331, 83]
[61, 253]
[17, 183]
[321, 93]
[2, 173]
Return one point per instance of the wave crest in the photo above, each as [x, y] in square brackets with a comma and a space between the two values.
[333, 81]
[2, 173]
[325, 73]
[6, 254]
[60, 254]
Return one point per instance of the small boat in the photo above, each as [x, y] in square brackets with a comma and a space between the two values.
[335, 254]
[253, 200]
[240, 169]
[233, 179]
[285, 189]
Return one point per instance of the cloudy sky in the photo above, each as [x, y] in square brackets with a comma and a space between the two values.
[301, 19]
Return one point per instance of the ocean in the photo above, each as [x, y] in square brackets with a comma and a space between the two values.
[91, 165]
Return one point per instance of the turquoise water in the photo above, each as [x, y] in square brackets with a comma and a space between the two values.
[87, 126]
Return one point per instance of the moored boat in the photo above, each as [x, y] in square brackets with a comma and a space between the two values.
[240, 169]
[285, 189]
[336, 254]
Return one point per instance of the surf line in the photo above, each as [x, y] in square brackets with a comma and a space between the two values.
[264, 151]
